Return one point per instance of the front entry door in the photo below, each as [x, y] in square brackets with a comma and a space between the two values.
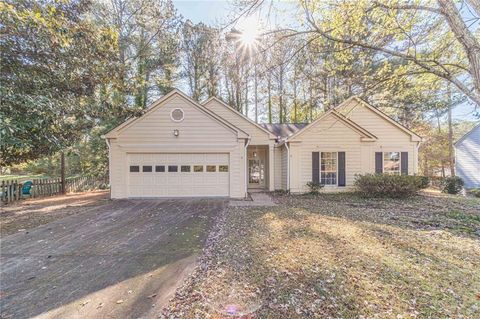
[256, 173]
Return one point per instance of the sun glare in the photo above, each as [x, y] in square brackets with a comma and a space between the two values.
[249, 32]
[249, 36]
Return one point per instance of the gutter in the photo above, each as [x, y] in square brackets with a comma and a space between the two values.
[246, 166]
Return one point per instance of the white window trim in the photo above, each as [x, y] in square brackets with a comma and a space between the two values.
[175, 109]
[336, 169]
[399, 162]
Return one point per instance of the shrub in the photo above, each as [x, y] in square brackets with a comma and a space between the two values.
[475, 192]
[424, 182]
[314, 187]
[394, 186]
[452, 185]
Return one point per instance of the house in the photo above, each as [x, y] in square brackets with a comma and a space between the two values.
[467, 158]
[181, 148]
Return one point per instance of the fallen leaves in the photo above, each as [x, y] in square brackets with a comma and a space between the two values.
[338, 256]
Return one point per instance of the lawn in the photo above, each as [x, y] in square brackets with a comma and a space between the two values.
[340, 256]
[21, 178]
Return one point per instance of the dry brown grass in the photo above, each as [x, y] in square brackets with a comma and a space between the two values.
[341, 256]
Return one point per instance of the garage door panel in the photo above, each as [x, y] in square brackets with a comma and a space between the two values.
[177, 184]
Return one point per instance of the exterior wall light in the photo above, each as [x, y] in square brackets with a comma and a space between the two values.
[176, 132]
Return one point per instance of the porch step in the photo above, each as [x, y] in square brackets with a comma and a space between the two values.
[258, 199]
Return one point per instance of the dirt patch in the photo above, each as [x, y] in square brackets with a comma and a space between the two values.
[340, 256]
[30, 213]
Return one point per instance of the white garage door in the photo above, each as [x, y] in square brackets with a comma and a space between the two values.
[178, 175]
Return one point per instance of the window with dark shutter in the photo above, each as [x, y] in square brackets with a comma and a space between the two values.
[160, 168]
[341, 169]
[147, 169]
[404, 163]
[378, 162]
[316, 167]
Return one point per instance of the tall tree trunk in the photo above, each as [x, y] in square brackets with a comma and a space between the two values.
[451, 155]
[62, 172]
[269, 85]
[246, 91]
[442, 162]
[256, 94]
[465, 37]
[280, 98]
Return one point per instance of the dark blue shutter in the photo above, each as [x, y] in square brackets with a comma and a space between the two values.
[378, 162]
[316, 167]
[341, 169]
[404, 163]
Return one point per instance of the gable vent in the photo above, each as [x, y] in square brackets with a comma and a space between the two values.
[177, 115]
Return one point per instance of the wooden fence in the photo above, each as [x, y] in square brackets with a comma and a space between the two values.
[11, 190]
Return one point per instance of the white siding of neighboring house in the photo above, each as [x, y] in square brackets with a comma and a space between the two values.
[153, 133]
[467, 153]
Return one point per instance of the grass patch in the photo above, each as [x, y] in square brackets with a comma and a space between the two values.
[22, 178]
[337, 255]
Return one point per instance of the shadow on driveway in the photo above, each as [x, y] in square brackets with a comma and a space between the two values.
[114, 260]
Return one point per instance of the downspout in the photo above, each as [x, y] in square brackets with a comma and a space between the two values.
[246, 167]
[288, 166]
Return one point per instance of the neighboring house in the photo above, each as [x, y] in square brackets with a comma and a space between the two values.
[467, 158]
[181, 148]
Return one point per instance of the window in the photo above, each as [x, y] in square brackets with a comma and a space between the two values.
[391, 163]
[328, 168]
[160, 168]
[223, 168]
[147, 169]
[172, 168]
[185, 168]
[198, 168]
[211, 168]
[134, 169]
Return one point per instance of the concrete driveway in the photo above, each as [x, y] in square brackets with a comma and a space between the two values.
[122, 259]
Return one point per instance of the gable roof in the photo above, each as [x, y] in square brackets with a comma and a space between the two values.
[161, 101]
[366, 135]
[461, 139]
[240, 115]
[413, 135]
[284, 130]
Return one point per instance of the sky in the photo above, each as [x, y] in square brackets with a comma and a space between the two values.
[221, 13]
[207, 11]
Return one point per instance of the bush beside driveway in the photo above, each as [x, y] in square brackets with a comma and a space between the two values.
[340, 256]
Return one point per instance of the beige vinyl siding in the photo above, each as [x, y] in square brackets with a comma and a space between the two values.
[328, 135]
[257, 135]
[390, 138]
[278, 169]
[197, 127]
[153, 133]
[117, 176]
[284, 161]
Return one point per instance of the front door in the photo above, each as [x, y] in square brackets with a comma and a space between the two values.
[256, 173]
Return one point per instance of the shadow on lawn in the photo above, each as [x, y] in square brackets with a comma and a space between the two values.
[459, 216]
[361, 268]
[101, 254]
